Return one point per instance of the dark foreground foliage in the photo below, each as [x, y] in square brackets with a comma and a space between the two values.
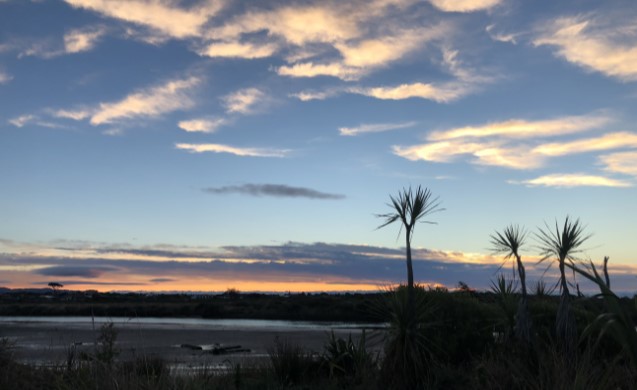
[459, 340]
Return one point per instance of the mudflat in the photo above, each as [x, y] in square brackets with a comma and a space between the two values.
[188, 345]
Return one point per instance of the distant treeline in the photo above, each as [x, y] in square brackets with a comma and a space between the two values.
[479, 308]
[308, 307]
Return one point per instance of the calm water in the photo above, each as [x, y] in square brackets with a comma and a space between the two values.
[218, 324]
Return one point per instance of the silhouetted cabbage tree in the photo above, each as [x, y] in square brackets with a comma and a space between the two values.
[561, 245]
[409, 207]
[508, 242]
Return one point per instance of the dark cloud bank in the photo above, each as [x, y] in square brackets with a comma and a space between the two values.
[332, 263]
[275, 190]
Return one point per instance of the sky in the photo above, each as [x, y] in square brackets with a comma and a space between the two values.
[211, 144]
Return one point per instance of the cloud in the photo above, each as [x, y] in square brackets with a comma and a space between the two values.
[519, 128]
[363, 56]
[381, 51]
[238, 50]
[24, 120]
[5, 77]
[92, 283]
[297, 25]
[484, 153]
[80, 271]
[238, 151]
[374, 128]
[506, 38]
[464, 5]
[202, 125]
[316, 95]
[152, 102]
[583, 42]
[243, 101]
[364, 266]
[162, 280]
[76, 115]
[160, 16]
[310, 69]
[623, 162]
[442, 93]
[76, 41]
[573, 180]
[498, 143]
[276, 190]
[605, 142]
[360, 57]
[115, 131]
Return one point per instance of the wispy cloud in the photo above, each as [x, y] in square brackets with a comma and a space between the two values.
[374, 128]
[238, 151]
[494, 153]
[238, 50]
[623, 162]
[463, 82]
[497, 144]
[585, 42]
[22, 120]
[275, 190]
[520, 128]
[161, 16]
[80, 40]
[113, 132]
[501, 37]
[464, 5]
[442, 93]
[76, 114]
[381, 51]
[202, 125]
[310, 69]
[156, 101]
[243, 101]
[573, 180]
[297, 25]
[363, 56]
[30, 119]
[74, 41]
[316, 95]
[605, 142]
[5, 77]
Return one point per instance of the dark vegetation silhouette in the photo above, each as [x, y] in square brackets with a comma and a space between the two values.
[407, 350]
[409, 207]
[561, 246]
[55, 286]
[509, 242]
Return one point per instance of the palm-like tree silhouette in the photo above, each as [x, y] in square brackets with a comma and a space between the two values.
[409, 207]
[509, 242]
[561, 246]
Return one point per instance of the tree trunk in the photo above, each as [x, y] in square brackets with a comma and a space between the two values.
[565, 326]
[523, 318]
[411, 307]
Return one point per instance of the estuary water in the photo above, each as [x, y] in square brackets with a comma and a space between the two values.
[183, 342]
[216, 324]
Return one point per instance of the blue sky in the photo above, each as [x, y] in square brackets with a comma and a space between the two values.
[137, 136]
